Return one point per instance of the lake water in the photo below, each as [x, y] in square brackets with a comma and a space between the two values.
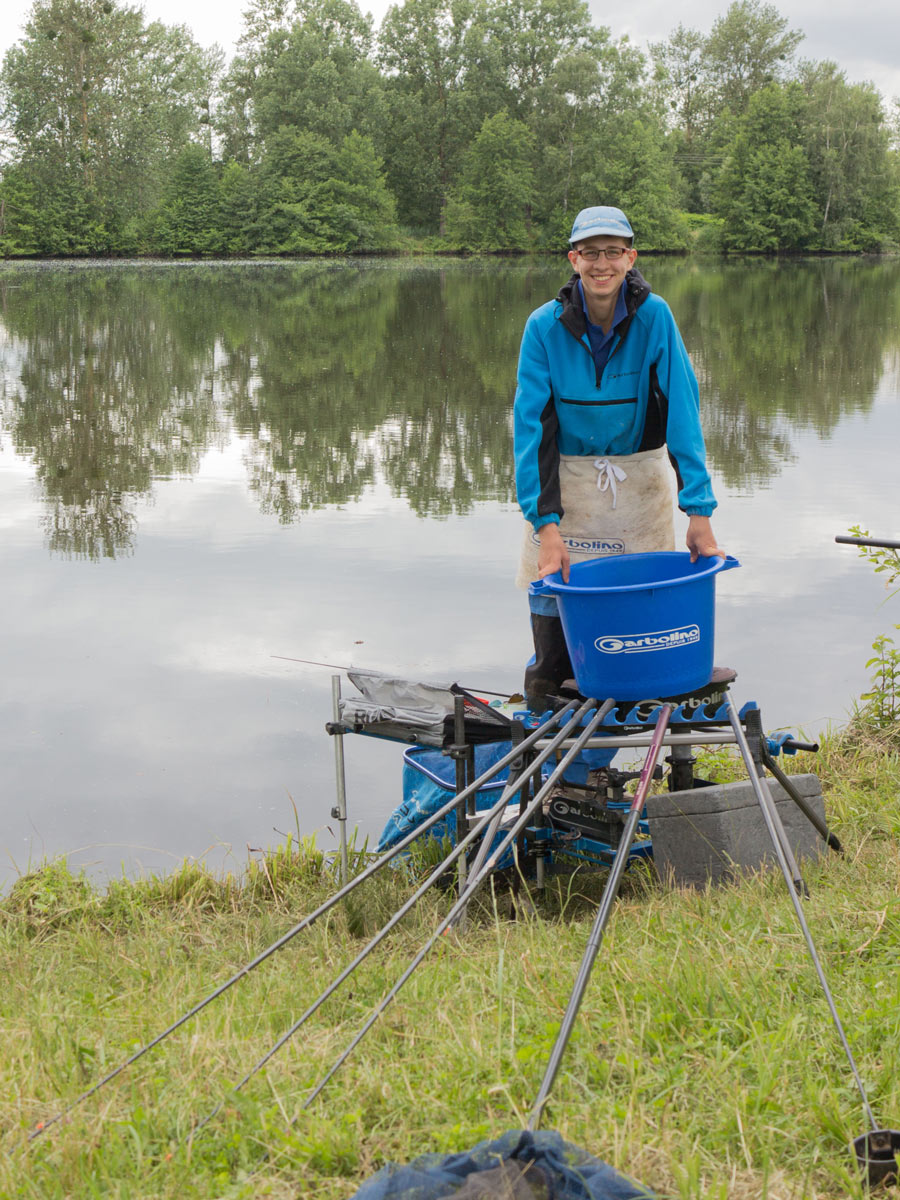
[204, 467]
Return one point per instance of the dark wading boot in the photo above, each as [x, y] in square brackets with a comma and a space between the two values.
[552, 665]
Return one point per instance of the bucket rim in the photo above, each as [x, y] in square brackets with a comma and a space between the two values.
[715, 564]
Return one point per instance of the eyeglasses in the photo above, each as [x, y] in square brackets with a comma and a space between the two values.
[613, 253]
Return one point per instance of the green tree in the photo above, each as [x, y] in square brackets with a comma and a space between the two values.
[238, 209]
[765, 192]
[685, 78]
[97, 104]
[316, 75]
[767, 198]
[489, 208]
[638, 174]
[602, 139]
[534, 37]
[304, 64]
[320, 198]
[748, 47]
[187, 221]
[847, 141]
[234, 114]
[707, 81]
[687, 89]
[423, 50]
[20, 209]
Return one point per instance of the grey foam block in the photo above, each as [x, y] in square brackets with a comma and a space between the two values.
[714, 833]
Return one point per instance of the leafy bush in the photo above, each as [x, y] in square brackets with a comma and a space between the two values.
[880, 708]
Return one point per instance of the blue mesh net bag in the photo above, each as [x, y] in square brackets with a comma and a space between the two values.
[516, 1166]
[429, 781]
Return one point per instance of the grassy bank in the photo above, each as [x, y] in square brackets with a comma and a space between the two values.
[704, 1062]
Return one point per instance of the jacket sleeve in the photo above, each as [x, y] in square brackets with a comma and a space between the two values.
[684, 433]
[535, 429]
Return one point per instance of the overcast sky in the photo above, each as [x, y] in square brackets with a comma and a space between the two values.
[863, 36]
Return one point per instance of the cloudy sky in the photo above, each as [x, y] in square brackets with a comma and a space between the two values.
[862, 36]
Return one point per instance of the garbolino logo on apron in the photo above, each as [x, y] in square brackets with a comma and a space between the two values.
[595, 547]
[640, 643]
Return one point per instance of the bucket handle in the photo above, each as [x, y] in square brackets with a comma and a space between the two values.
[728, 563]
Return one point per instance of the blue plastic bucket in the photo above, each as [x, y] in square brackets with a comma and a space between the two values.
[639, 625]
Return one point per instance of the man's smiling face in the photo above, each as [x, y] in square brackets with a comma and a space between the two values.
[602, 278]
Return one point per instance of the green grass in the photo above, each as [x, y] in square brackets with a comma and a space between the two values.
[703, 1063]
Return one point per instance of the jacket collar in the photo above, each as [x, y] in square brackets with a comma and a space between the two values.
[637, 289]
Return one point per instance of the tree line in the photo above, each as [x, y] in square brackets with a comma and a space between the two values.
[458, 124]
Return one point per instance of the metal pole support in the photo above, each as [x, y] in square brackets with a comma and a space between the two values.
[459, 751]
[752, 747]
[531, 787]
[340, 812]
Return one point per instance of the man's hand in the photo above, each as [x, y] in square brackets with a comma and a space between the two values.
[701, 541]
[553, 554]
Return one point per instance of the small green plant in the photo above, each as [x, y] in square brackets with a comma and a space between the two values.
[882, 701]
[719, 764]
[425, 853]
[49, 896]
[883, 560]
[880, 707]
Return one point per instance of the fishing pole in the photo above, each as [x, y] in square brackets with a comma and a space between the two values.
[451, 805]
[475, 881]
[309, 662]
[490, 818]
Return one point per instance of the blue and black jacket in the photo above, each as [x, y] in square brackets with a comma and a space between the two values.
[644, 397]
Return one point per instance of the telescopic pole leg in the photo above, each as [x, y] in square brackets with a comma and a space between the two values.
[754, 764]
[772, 823]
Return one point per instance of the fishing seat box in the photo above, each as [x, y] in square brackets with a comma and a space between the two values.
[713, 833]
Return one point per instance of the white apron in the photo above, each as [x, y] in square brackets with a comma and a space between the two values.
[620, 504]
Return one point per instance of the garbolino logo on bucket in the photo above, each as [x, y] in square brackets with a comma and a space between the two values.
[639, 643]
[596, 547]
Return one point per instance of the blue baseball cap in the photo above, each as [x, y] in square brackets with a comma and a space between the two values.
[594, 222]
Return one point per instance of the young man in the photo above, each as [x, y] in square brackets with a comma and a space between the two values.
[606, 400]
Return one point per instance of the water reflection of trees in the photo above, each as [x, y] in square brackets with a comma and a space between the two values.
[781, 347]
[338, 374]
[299, 380]
[455, 341]
[111, 389]
[365, 369]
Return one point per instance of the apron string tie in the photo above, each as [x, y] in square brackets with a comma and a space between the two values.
[608, 476]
